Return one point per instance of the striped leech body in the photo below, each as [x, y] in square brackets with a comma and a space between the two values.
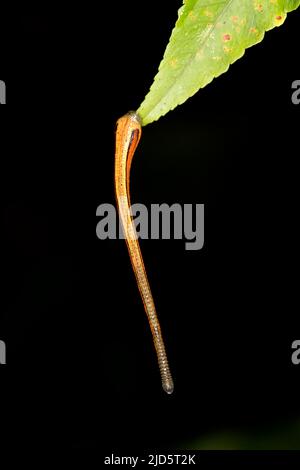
[128, 133]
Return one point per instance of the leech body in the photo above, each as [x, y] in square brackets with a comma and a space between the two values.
[128, 134]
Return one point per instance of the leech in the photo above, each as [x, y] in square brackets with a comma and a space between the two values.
[128, 134]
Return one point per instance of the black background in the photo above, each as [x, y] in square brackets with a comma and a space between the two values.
[81, 370]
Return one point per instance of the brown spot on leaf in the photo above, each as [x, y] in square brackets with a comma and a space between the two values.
[279, 19]
[226, 37]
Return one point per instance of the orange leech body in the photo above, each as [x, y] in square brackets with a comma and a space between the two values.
[128, 135]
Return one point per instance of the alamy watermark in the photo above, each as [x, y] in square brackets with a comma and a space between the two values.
[296, 92]
[296, 353]
[2, 92]
[2, 352]
[180, 222]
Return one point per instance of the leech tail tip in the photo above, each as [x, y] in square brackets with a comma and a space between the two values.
[168, 387]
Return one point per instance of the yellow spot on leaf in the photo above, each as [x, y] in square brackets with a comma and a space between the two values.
[234, 19]
[208, 13]
[192, 15]
[227, 49]
[199, 54]
[173, 63]
[258, 7]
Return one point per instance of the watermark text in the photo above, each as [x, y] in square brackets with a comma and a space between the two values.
[178, 222]
[296, 353]
[2, 352]
[2, 92]
[296, 92]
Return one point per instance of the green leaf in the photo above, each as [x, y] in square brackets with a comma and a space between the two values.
[209, 35]
[281, 435]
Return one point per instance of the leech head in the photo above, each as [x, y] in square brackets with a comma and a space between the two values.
[135, 117]
[131, 117]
